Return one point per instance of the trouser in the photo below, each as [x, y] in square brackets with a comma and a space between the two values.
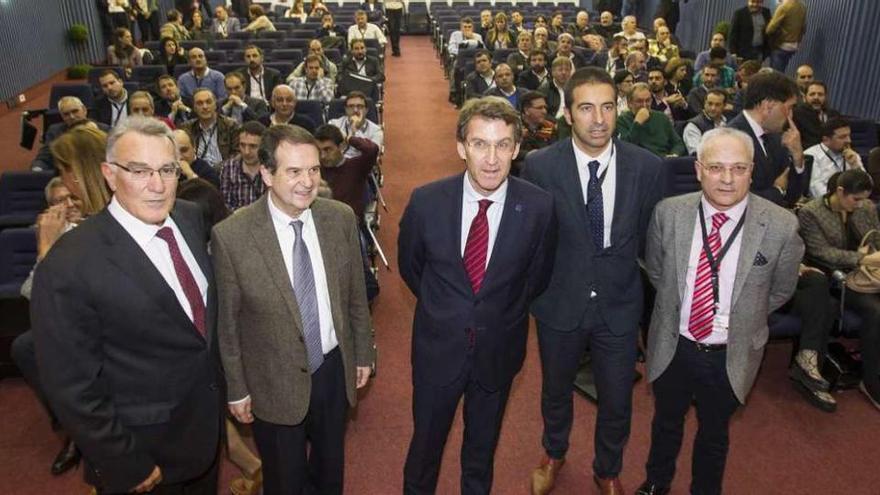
[206, 484]
[813, 304]
[779, 59]
[868, 308]
[149, 26]
[24, 356]
[613, 357]
[395, 17]
[692, 375]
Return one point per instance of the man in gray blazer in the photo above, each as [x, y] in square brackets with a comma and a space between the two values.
[721, 260]
[223, 24]
[294, 331]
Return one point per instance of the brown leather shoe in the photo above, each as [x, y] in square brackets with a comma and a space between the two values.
[247, 486]
[544, 476]
[608, 486]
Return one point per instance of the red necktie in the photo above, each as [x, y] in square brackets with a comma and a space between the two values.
[477, 247]
[703, 303]
[186, 279]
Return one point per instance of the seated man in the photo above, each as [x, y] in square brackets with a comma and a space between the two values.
[223, 24]
[648, 128]
[538, 130]
[360, 63]
[363, 30]
[328, 68]
[171, 104]
[674, 106]
[607, 28]
[519, 60]
[704, 57]
[284, 110]
[347, 177]
[356, 123]
[111, 107]
[482, 78]
[200, 76]
[312, 86]
[141, 103]
[465, 37]
[555, 92]
[697, 96]
[190, 166]
[72, 111]
[504, 86]
[635, 64]
[239, 106]
[215, 136]
[330, 34]
[811, 114]
[662, 45]
[565, 49]
[834, 154]
[803, 77]
[726, 74]
[711, 117]
[537, 76]
[259, 79]
[629, 29]
[240, 181]
[581, 27]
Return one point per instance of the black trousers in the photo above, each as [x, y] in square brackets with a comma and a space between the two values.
[692, 375]
[868, 308]
[206, 484]
[149, 26]
[433, 412]
[308, 457]
[395, 17]
[813, 303]
[24, 355]
[613, 358]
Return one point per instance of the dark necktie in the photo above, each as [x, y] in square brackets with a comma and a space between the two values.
[186, 279]
[703, 303]
[595, 213]
[477, 247]
[306, 298]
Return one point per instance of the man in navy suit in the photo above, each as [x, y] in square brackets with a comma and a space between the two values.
[475, 249]
[604, 191]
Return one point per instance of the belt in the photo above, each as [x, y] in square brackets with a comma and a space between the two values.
[705, 347]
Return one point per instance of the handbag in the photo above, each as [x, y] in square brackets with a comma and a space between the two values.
[865, 279]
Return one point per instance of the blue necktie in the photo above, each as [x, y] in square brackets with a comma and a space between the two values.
[306, 298]
[595, 215]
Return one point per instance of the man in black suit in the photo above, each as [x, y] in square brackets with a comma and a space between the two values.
[474, 270]
[482, 79]
[747, 31]
[779, 174]
[112, 107]
[537, 76]
[810, 115]
[124, 312]
[259, 80]
[72, 112]
[170, 103]
[604, 191]
[358, 62]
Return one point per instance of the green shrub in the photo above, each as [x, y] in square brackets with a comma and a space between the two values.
[78, 33]
[78, 71]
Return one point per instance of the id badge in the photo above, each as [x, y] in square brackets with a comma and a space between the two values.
[720, 321]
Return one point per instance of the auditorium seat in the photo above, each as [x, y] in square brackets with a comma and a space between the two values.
[227, 45]
[147, 74]
[190, 44]
[313, 109]
[95, 74]
[297, 44]
[22, 197]
[216, 57]
[293, 56]
[679, 176]
[18, 253]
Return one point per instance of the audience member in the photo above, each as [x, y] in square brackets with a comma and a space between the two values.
[259, 79]
[331, 34]
[726, 74]
[240, 181]
[224, 24]
[565, 49]
[616, 58]
[190, 166]
[358, 62]
[519, 60]
[504, 87]
[284, 110]
[239, 106]
[215, 136]
[72, 112]
[537, 77]
[711, 117]
[298, 417]
[485, 23]
[170, 55]
[538, 131]
[677, 80]
[312, 86]
[297, 11]
[662, 45]
[580, 28]
[346, 175]
[355, 123]
[465, 37]
[123, 52]
[482, 79]
[705, 57]
[747, 31]
[200, 76]
[785, 31]
[328, 68]
[258, 22]
[561, 71]
[829, 223]
[171, 104]
[111, 107]
[623, 81]
[708, 80]
[834, 154]
[197, 28]
[516, 22]
[707, 347]
[541, 41]
[141, 103]
[363, 30]
[811, 114]
[629, 29]
[673, 105]
[556, 26]
[607, 28]
[500, 36]
[637, 67]
[174, 28]
[318, 9]
[648, 128]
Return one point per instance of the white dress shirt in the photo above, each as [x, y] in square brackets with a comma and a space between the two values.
[258, 85]
[157, 251]
[607, 161]
[726, 275]
[825, 164]
[470, 206]
[370, 32]
[286, 237]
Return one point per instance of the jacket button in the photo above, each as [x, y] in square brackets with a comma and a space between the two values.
[304, 370]
[212, 387]
[301, 339]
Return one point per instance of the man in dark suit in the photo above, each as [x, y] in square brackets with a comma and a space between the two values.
[536, 76]
[560, 72]
[239, 106]
[474, 271]
[294, 326]
[748, 38]
[482, 78]
[360, 63]
[259, 79]
[604, 191]
[111, 107]
[810, 115]
[170, 103]
[709, 325]
[124, 313]
[72, 113]
[779, 174]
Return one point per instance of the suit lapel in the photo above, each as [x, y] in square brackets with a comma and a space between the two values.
[571, 185]
[452, 222]
[753, 234]
[505, 239]
[329, 244]
[623, 196]
[685, 221]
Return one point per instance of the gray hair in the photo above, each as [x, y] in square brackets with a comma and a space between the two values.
[144, 95]
[146, 126]
[720, 132]
[55, 182]
[565, 35]
[73, 100]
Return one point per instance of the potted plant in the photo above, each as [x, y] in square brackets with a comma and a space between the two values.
[78, 34]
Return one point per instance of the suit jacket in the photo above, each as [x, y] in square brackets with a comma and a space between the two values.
[129, 376]
[102, 111]
[430, 260]
[766, 277]
[373, 68]
[232, 25]
[476, 86]
[742, 30]
[768, 166]
[227, 134]
[256, 108]
[552, 97]
[259, 327]
[271, 78]
[527, 79]
[612, 272]
[808, 123]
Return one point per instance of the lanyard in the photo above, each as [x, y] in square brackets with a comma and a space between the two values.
[309, 88]
[715, 265]
[117, 112]
[259, 81]
[842, 168]
[202, 142]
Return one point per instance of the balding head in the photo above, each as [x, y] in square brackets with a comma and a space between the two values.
[72, 110]
[184, 145]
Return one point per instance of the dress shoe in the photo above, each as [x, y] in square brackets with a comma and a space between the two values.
[66, 459]
[818, 398]
[800, 375]
[648, 488]
[873, 397]
[608, 486]
[544, 476]
[248, 486]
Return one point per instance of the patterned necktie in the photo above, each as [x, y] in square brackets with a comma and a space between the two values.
[186, 279]
[703, 302]
[595, 213]
[477, 246]
[306, 298]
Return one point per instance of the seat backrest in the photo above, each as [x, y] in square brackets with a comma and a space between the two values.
[240, 35]
[18, 253]
[297, 43]
[287, 55]
[312, 108]
[679, 176]
[272, 35]
[227, 45]
[264, 44]
[216, 57]
[147, 74]
[302, 33]
[283, 66]
[350, 82]
[23, 192]
[334, 55]
[864, 135]
[188, 44]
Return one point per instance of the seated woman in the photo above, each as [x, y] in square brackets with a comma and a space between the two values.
[170, 54]
[662, 45]
[123, 52]
[198, 30]
[258, 21]
[500, 36]
[297, 11]
[833, 227]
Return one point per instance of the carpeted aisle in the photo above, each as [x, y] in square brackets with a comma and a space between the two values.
[780, 445]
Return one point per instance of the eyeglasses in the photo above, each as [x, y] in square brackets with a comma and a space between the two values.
[143, 173]
[737, 169]
[482, 147]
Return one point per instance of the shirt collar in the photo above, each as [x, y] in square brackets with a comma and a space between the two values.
[281, 219]
[734, 213]
[140, 231]
[604, 157]
[756, 127]
[472, 196]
